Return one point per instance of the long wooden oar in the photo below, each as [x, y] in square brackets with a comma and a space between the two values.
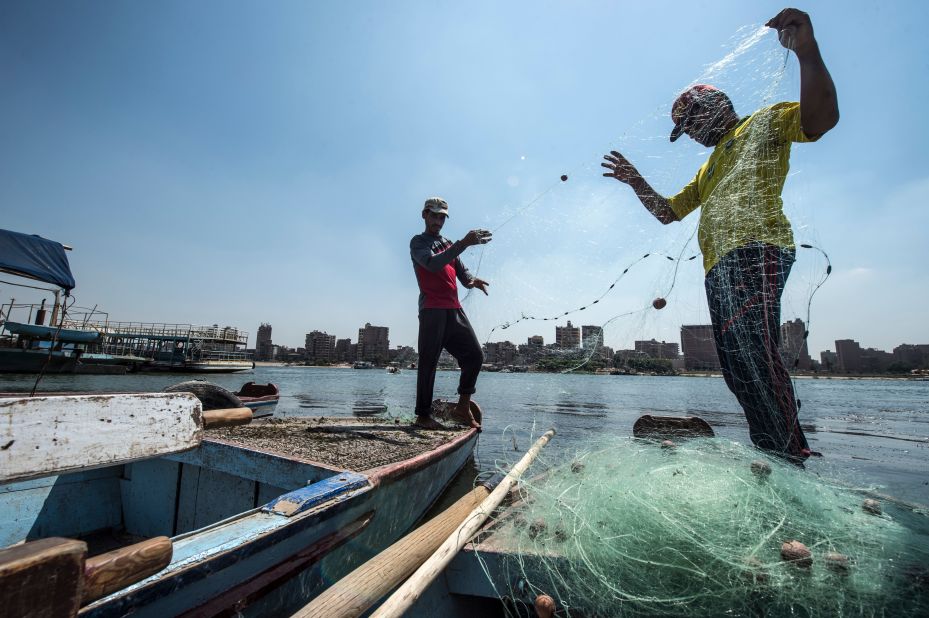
[352, 595]
[400, 601]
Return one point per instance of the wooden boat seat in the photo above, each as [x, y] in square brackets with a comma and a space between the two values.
[55, 576]
[44, 436]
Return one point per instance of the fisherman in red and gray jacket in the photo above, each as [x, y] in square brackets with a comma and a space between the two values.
[442, 321]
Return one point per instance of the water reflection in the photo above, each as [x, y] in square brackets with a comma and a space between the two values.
[369, 402]
[572, 408]
[369, 407]
[307, 401]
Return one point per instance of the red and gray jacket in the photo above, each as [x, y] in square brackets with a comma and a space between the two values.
[436, 264]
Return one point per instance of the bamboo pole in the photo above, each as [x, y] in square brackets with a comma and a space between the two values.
[400, 601]
[352, 595]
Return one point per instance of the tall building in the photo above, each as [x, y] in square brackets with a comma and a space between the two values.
[592, 336]
[320, 347]
[532, 350]
[658, 349]
[699, 347]
[567, 336]
[343, 351]
[828, 360]
[851, 358]
[403, 355]
[912, 356]
[848, 356]
[263, 346]
[500, 352]
[793, 345]
[373, 344]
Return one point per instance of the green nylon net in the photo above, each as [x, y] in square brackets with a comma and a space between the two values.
[636, 528]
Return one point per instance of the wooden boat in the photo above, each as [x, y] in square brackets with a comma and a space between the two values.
[257, 396]
[260, 518]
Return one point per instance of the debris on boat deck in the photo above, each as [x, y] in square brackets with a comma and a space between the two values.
[350, 443]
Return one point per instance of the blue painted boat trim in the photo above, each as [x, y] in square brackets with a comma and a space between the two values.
[204, 553]
[305, 498]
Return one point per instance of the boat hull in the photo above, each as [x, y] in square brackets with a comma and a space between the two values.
[13, 360]
[230, 556]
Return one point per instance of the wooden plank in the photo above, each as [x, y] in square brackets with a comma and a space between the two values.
[221, 495]
[42, 579]
[149, 496]
[271, 468]
[64, 508]
[187, 499]
[114, 570]
[52, 435]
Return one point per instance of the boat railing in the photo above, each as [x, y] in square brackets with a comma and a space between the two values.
[226, 334]
[211, 355]
[82, 318]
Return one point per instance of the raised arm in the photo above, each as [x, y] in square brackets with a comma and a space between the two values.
[421, 250]
[624, 171]
[819, 105]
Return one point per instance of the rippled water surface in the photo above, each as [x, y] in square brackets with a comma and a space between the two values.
[872, 433]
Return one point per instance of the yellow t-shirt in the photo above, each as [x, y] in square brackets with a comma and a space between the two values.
[739, 186]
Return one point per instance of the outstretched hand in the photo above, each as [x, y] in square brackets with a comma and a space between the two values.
[477, 237]
[619, 167]
[794, 30]
[480, 284]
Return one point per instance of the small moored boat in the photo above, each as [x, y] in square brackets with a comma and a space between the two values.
[257, 396]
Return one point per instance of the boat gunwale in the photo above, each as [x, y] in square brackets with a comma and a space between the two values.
[376, 475]
[154, 586]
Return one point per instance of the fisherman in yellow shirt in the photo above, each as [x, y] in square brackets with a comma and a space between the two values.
[747, 243]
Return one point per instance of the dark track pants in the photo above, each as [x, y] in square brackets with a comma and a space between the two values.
[744, 294]
[449, 329]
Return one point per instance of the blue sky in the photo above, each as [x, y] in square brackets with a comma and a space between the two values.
[241, 162]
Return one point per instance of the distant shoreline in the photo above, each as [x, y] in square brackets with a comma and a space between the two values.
[694, 374]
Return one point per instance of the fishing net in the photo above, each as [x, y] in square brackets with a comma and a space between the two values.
[571, 245]
[636, 527]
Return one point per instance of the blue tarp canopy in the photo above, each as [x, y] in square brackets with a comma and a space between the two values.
[36, 258]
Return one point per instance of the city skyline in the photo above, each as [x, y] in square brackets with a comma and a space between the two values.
[221, 162]
[793, 342]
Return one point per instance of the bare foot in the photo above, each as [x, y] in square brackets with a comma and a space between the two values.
[427, 422]
[465, 416]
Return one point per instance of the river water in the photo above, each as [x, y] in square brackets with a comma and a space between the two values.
[872, 433]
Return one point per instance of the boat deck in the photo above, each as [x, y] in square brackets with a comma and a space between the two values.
[345, 443]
